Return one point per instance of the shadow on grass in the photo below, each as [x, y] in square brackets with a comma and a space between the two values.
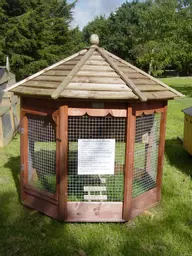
[178, 157]
[24, 232]
[27, 232]
[13, 164]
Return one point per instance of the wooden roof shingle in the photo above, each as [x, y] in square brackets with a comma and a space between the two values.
[94, 73]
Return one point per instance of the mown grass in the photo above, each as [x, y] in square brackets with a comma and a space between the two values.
[25, 232]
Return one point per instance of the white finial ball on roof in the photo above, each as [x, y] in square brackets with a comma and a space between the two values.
[94, 39]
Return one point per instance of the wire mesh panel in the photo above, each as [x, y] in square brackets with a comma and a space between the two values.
[146, 153]
[96, 187]
[42, 152]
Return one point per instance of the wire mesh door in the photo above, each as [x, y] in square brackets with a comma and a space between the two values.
[97, 187]
[146, 153]
[42, 153]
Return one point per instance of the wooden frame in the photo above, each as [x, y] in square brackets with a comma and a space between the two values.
[57, 205]
[63, 161]
[128, 178]
[153, 196]
[97, 112]
[161, 152]
[31, 196]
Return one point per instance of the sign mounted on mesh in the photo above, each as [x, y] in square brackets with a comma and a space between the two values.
[96, 156]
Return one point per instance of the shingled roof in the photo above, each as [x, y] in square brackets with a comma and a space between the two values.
[94, 73]
[188, 111]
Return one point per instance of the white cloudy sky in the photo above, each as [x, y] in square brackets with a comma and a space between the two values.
[86, 10]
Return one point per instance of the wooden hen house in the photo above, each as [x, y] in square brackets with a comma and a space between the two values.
[92, 138]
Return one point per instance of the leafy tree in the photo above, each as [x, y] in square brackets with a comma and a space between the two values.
[36, 33]
[154, 34]
[123, 27]
[118, 33]
[155, 31]
[98, 26]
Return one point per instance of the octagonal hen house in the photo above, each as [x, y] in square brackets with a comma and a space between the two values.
[92, 138]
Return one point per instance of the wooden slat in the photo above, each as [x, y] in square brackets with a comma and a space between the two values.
[56, 72]
[35, 112]
[41, 84]
[94, 212]
[97, 74]
[64, 67]
[71, 62]
[118, 112]
[98, 80]
[159, 95]
[41, 205]
[79, 57]
[95, 188]
[50, 78]
[95, 197]
[143, 82]
[24, 156]
[41, 194]
[78, 86]
[55, 116]
[122, 75]
[33, 91]
[148, 108]
[144, 73]
[98, 87]
[97, 112]
[161, 152]
[96, 68]
[97, 62]
[77, 93]
[120, 64]
[73, 72]
[40, 103]
[146, 88]
[127, 70]
[25, 148]
[134, 75]
[142, 202]
[97, 57]
[63, 162]
[96, 53]
[46, 69]
[129, 163]
[97, 95]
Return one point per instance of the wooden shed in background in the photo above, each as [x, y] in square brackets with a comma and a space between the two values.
[187, 136]
[9, 106]
[92, 138]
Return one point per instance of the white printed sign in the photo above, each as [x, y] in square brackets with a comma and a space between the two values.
[96, 156]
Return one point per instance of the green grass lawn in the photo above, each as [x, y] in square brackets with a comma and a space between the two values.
[26, 232]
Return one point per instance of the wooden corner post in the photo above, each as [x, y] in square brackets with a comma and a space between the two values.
[23, 152]
[129, 163]
[161, 151]
[63, 162]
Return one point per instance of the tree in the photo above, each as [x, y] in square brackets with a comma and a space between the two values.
[154, 35]
[118, 32]
[36, 33]
[164, 37]
[123, 26]
[98, 26]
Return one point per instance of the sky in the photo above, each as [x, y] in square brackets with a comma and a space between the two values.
[86, 10]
